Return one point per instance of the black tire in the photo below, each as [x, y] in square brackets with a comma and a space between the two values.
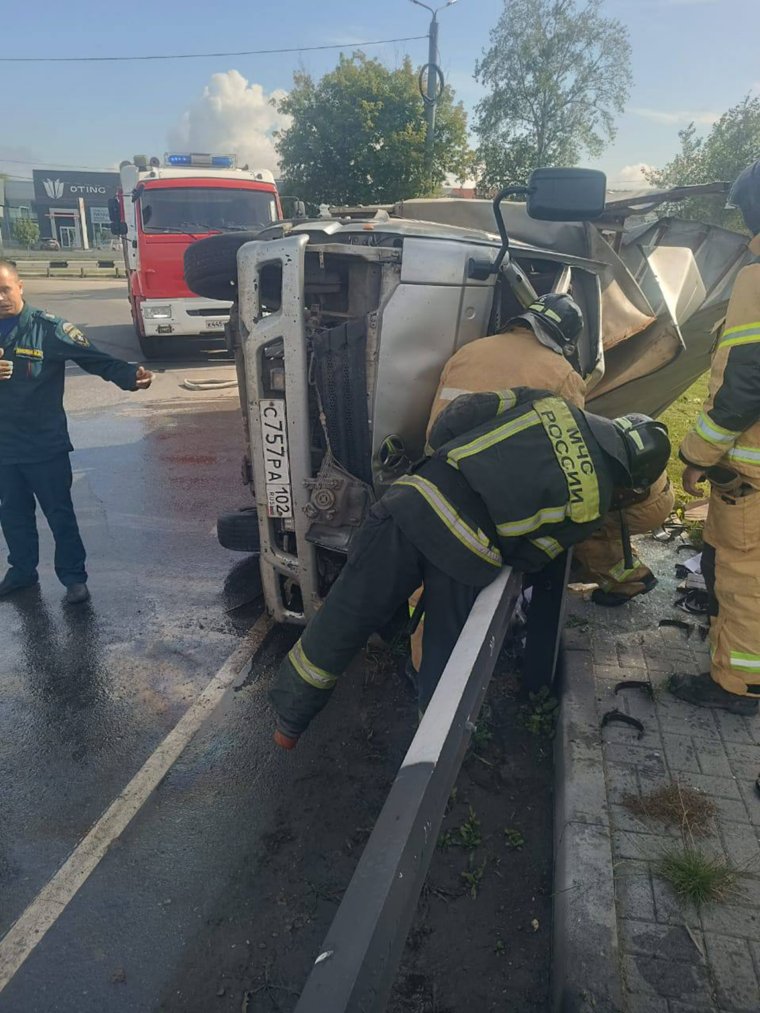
[239, 531]
[211, 264]
[149, 347]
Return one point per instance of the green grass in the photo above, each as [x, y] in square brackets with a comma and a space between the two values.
[697, 877]
[679, 418]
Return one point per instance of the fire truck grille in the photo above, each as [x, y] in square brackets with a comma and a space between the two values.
[341, 377]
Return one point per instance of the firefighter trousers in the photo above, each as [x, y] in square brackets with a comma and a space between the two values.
[731, 568]
[383, 569]
[601, 555]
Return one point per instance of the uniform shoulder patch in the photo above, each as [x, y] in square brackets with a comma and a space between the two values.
[71, 333]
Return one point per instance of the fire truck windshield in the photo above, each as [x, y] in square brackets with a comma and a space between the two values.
[207, 209]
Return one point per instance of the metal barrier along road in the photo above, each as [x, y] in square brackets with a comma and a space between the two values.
[62, 268]
[356, 967]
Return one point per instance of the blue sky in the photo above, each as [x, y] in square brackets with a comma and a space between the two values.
[692, 59]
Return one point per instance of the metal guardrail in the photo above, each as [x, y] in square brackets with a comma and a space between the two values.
[357, 964]
[61, 268]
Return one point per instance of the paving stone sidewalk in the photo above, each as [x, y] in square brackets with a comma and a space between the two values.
[623, 940]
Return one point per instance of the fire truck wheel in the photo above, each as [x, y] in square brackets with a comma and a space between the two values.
[211, 264]
[239, 531]
[149, 347]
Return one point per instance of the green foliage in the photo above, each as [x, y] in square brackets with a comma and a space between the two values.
[730, 146]
[556, 75]
[26, 232]
[513, 838]
[540, 715]
[358, 135]
[473, 876]
[695, 876]
[679, 419]
[467, 835]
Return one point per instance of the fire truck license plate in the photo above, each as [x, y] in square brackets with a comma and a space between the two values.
[215, 325]
[275, 439]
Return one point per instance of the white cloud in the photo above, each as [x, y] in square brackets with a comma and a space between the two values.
[630, 176]
[234, 116]
[677, 116]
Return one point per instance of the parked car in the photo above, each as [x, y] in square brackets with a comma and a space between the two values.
[47, 244]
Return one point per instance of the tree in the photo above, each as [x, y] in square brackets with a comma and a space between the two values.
[26, 232]
[358, 135]
[731, 145]
[556, 76]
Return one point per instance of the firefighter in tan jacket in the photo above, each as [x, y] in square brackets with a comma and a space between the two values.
[539, 348]
[724, 447]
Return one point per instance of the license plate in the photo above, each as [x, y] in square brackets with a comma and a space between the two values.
[274, 436]
[215, 325]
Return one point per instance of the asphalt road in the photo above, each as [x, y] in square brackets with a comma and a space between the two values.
[157, 853]
[89, 694]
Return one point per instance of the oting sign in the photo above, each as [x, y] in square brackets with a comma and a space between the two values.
[52, 187]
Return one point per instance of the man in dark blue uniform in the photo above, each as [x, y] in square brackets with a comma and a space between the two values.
[34, 438]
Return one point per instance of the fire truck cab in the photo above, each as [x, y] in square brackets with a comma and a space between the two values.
[159, 211]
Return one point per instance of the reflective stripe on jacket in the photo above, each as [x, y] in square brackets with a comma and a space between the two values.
[727, 430]
[516, 486]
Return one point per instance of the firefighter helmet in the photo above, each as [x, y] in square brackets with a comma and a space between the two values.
[556, 320]
[648, 447]
[745, 195]
[639, 444]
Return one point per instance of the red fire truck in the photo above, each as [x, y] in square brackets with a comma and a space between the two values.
[159, 211]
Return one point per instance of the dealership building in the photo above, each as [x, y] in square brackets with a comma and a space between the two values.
[72, 207]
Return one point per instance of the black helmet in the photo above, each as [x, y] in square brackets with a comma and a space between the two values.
[639, 444]
[648, 447]
[556, 320]
[745, 195]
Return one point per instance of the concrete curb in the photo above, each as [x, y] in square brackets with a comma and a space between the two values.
[586, 970]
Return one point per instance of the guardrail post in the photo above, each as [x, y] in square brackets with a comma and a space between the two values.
[546, 616]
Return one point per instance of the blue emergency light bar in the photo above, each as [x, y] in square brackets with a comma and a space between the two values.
[214, 161]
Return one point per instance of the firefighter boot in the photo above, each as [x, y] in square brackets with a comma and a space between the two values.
[702, 691]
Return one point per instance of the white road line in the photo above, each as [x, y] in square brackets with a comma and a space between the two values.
[24, 935]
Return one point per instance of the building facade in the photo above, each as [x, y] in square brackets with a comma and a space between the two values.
[72, 207]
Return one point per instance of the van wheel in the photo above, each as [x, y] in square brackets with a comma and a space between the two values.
[239, 531]
[211, 264]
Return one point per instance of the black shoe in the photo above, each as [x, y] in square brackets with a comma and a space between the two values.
[11, 582]
[703, 691]
[76, 594]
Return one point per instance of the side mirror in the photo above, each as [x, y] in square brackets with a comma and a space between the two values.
[299, 210]
[566, 195]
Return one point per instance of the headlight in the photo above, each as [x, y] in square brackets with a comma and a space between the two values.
[157, 312]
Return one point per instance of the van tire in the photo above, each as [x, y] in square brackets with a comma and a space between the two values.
[239, 531]
[211, 264]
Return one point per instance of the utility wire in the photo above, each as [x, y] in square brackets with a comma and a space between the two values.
[202, 56]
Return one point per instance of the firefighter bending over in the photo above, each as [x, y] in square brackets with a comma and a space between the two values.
[539, 348]
[724, 447]
[463, 513]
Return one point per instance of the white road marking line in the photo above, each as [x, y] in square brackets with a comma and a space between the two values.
[24, 935]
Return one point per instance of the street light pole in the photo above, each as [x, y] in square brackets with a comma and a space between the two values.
[435, 83]
[431, 97]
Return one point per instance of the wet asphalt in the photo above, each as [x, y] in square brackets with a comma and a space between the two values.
[88, 693]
